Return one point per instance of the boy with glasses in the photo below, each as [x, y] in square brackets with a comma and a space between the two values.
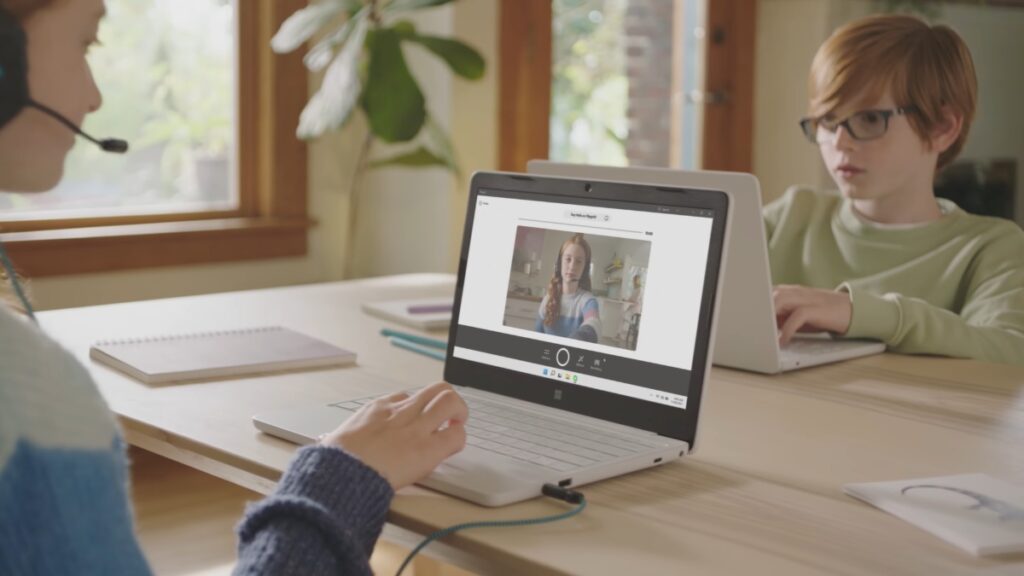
[891, 102]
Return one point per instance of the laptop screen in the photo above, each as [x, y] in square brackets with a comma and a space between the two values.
[586, 292]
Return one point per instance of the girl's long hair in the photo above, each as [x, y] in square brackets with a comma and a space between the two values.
[8, 297]
[20, 10]
[555, 286]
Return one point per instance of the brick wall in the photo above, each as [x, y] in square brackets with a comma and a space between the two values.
[648, 30]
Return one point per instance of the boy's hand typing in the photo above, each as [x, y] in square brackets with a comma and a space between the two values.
[803, 309]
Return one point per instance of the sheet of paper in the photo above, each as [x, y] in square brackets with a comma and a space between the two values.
[979, 513]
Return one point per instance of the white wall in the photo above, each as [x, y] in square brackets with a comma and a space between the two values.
[410, 220]
[996, 39]
[603, 249]
[475, 106]
[788, 34]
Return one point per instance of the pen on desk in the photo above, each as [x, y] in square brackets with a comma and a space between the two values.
[421, 340]
[413, 347]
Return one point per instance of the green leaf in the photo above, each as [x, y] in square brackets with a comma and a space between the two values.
[439, 141]
[332, 105]
[416, 158]
[406, 30]
[320, 55]
[302, 24]
[408, 5]
[351, 6]
[461, 58]
[620, 140]
[432, 149]
[392, 100]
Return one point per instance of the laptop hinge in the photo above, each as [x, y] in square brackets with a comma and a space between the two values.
[556, 412]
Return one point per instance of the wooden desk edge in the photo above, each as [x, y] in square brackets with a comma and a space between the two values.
[244, 473]
[401, 529]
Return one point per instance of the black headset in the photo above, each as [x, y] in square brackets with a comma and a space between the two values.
[14, 96]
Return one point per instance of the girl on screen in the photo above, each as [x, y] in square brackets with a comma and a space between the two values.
[569, 308]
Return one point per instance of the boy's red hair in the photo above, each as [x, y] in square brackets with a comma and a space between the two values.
[927, 67]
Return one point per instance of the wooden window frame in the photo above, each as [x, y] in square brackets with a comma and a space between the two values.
[271, 220]
[525, 84]
[728, 142]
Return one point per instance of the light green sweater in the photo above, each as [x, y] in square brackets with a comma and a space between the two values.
[953, 287]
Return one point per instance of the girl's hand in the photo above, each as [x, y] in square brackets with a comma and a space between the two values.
[405, 437]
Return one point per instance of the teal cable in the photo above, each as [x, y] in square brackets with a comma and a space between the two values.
[494, 524]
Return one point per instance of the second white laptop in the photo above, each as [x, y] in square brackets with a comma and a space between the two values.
[747, 337]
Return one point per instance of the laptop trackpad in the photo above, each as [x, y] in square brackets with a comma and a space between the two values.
[487, 478]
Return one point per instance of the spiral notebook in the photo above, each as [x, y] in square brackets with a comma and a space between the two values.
[206, 355]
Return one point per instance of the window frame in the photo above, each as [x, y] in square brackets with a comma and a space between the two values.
[525, 84]
[271, 220]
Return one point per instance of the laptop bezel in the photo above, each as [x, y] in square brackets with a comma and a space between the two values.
[664, 420]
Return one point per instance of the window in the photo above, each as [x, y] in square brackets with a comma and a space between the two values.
[215, 172]
[166, 69]
[615, 78]
[589, 88]
[641, 82]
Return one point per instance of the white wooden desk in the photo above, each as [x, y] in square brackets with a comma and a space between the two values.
[762, 494]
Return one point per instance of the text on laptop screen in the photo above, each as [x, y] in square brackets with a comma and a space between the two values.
[604, 295]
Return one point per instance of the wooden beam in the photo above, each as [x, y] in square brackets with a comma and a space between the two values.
[728, 141]
[524, 86]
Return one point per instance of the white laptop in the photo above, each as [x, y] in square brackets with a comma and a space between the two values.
[570, 398]
[747, 337]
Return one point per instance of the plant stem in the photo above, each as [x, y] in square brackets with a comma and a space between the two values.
[353, 205]
[375, 18]
[373, 7]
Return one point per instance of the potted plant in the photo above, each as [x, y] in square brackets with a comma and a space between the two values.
[360, 52]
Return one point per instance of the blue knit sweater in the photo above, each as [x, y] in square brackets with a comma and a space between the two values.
[64, 506]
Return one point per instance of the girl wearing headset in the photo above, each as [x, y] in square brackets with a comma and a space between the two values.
[63, 473]
[569, 309]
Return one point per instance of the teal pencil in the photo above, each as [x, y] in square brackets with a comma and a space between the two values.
[421, 340]
[417, 348]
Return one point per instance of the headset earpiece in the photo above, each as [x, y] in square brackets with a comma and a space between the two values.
[13, 68]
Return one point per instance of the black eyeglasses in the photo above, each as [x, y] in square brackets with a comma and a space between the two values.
[863, 125]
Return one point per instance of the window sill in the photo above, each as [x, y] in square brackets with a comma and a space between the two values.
[108, 248]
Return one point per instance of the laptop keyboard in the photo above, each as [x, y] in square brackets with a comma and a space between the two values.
[537, 438]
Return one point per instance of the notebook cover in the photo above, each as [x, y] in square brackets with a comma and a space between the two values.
[398, 311]
[218, 354]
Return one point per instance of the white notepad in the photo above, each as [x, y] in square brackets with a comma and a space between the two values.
[217, 354]
[414, 313]
[979, 513]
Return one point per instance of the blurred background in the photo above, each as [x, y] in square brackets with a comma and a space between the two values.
[690, 84]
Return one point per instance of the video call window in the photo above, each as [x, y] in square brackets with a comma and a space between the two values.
[588, 287]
